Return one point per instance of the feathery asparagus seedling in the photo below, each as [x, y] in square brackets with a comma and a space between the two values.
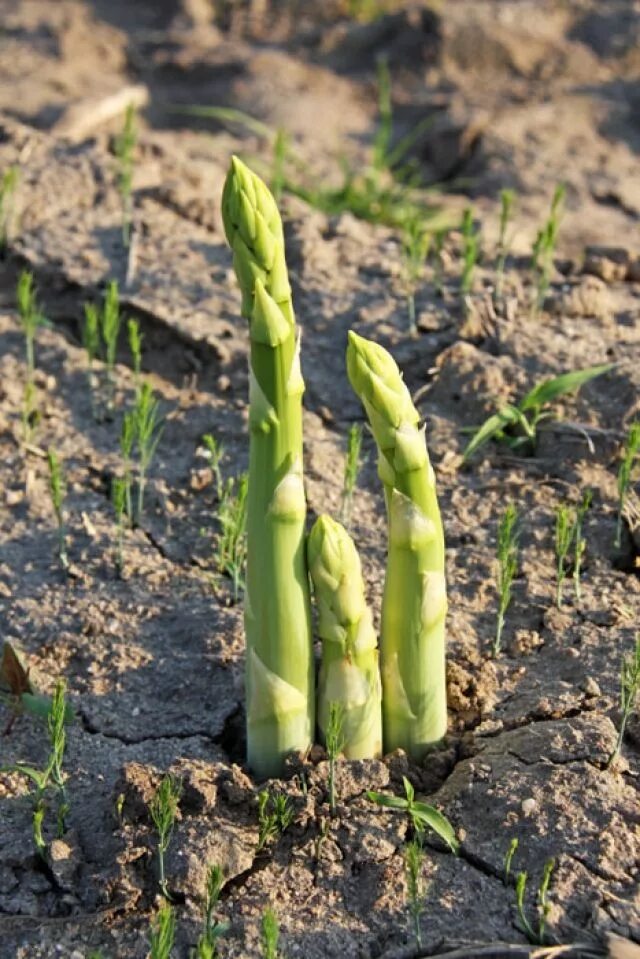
[470, 249]
[127, 439]
[414, 604]
[279, 671]
[163, 933]
[507, 199]
[135, 338]
[110, 323]
[536, 937]
[415, 246]
[335, 743]
[125, 146]
[119, 500]
[270, 934]
[413, 861]
[629, 456]
[231, 547]
[213, 929]
[349, 674]
[579, 542]
[544, 248]
[215, 450]
[275, 814]
[507, 568]
[57, 491]
[629, 688]
[163, 810]
[8, 186]
[148, 430]
[565, 530]
[421, 815]
[351, 469]
[511, 851]
[31, 318]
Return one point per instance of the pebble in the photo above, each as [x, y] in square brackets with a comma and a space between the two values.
[590, 687]
[529, 806]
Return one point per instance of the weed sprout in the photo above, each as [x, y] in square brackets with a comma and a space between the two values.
[437, 262]
[507, 568]
[231, 546]
[135, 338]
[335, 741]
[119, 500]
[110, 331]
[91, 343]
[511, 851]
[507, 200]
[270, 934]
[421, 815]
[629, 688]
[415, 246]
[125, 148]
[163, 810]
[544, 248]
[536, 937]
[215, 452]
[580, 543]
[351, 470]
[565, 530]
[275, 814]
[213, 930]
[163, 933]
[8, 186]
[629, 456]
[470, 249]
[148, 430]
[413, 861]
[31, 318]
[57, 491]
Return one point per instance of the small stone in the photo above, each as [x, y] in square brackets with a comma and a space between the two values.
[529, 806]
[223, 383]
[14, 496]
[200, 479]
[590, 687]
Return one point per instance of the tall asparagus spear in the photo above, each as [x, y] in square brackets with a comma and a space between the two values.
[279, 671]
[349, 675]
[414, 605]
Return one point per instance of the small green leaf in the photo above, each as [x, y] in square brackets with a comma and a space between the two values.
[36, 775]
[391, 802]
[507, 416]
[548, 390]
[434, 819]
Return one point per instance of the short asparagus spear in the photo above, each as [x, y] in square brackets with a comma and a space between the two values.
[279, 676]
[414, 605]
[349, 675]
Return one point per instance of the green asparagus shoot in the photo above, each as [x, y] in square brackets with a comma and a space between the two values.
[511, 851]
[57, 491]
[625, 473]
[507, 200]
[415, 246]
[135, 338]
[544, 249]
[270, 934]
[148, 430]
[215, 451]
[413, 861]
[125, 146]
[163, 933]
[163, 810]
[111, 320]
[351, 470]
[507, 568]
[421, 815]
[119, 500]
[334, 738]
[213, 929]
[275, 814]
[580, 543]
[231, 545]
[535, 936]
[516, 426]
[31, 318]
[565, 530]
[437, 261]
[470, 249]
[629, 688]
[8, 186]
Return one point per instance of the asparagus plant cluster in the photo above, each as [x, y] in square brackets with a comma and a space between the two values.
[406, 706]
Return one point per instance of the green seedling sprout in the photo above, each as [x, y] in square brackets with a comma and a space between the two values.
[511, 851]
[163, 810]
[507, 568]
[507, 200]
[231, 546]
[415, 247]
[127, 439]
[125, 146]
[8, 186]
[421, 815]
[91, 343]
[270, 934]
[579, 542]
[135, 338]
[119, 500]
[213, 929]
[413, 861]
[351, 470]
[565, 530]
[544, 248]
[275, 814]
[625, 472]
[470, 249]
[57, 491]
[536, 937]
[163, 933]
[148, 430]
[215, 451]
[31, 318]
[629, 688]
[517, 425]
[110, 324]
[335, 742]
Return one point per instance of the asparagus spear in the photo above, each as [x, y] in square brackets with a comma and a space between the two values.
[279, 670]
[414, 605]
[349, 674]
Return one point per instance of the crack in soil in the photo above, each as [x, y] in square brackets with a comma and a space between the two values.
[93, 730]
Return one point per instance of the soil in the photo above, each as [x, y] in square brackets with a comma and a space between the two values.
[519, 94]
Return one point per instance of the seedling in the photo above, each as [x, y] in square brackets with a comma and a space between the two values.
[544, 248]
[215, 451]
[270, 934]
[517, 425]
[413, 860]
[275, 814]
[163, 933]
[415, 246]
[280, 153]
[91, 342]
[124, 149]
[629, 688]
[580, 543]
[421, 815]
[536, 937]
[213, 929]
[57, 490]
[31, 318]
[565, 531]
[507, 568]
[127, 439]
[507, 200]
[8, 186]
[135, 338]
[148, 430]
[231, 546]
[163, 810]
[511, 851]
[334, 739]
[351, 470]
[110, 331]
[629, 456]
[119, 499]
[470, 249]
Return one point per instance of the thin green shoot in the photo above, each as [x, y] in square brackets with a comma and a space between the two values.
[384, 132]
[163, 933]
[470, 250]
[321, 837]
[281, 148]
[111, 321]
[57, 490]
[413, 862]
[127, 440]
[231, 545]
[517, 425]
[270, 934]
[215, 451]
[119, 500]
[629, 688]
[8, 187]
[91, 343]
[163, 810]
[335, 742]
[31, 318]
[415, 247]
[544, 249]
[125, 146]
[579, 542]
[135, 338]
[625, 472]
[213, 929]
[421, 815]
[511, 851]
[507, 568]
[507, 202]
[148, 430]
[275, 814]
[535, 936]
[565, 530]
[351, 470]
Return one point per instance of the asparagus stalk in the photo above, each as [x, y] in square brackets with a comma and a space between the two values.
[414, 605]
[279, 663]
[349, 674]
